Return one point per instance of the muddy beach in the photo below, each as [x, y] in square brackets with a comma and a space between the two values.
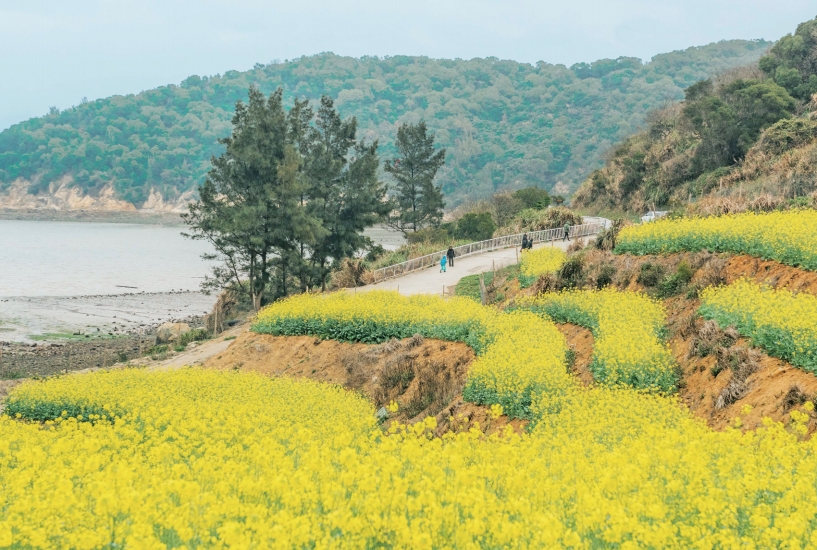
[40, 336]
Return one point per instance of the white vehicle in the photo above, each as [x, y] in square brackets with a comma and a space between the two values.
[651, 216]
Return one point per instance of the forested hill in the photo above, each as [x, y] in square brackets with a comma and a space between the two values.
[505, 124]
[745, 139]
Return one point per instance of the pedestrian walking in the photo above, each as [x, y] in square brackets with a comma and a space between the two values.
[450, 255]
[443, 259]
[524, 241]
[567, 231]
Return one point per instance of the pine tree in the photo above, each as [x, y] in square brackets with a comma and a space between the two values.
[288, 199]
[418, 203]
[344, 192]
[249, 207]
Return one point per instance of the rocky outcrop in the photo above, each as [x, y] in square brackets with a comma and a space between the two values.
[61, 196]
[171, 332]
[157, 203]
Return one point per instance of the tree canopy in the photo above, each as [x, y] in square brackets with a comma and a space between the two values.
[727, 130]
[505, 125]
[288, 199]
[418, 200]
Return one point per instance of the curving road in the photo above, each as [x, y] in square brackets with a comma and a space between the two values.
[431, 281]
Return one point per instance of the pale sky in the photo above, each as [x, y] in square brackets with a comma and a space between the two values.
[55, 52]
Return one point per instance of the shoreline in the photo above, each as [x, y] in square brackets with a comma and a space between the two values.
[96, 317]
[93, 216]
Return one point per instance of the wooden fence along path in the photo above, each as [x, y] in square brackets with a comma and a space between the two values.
[508, 241]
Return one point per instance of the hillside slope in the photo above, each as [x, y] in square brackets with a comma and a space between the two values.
[505, 124]
[749, 134]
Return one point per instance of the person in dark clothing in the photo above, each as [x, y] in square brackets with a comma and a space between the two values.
[450, 255]
[524, 241]
[567, 232]
[530, 243]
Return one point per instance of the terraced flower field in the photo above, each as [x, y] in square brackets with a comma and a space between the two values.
[195, 458]
[519, 355]
[205, 459]
[789, 237]
[781, 322]
[628, 326]
[534, 263]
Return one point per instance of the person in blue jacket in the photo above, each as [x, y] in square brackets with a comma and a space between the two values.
[443, 260]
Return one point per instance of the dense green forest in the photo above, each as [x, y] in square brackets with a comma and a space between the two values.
[505, 124]
[728, 137]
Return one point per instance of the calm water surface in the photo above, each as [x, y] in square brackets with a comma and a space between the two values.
[42, 258]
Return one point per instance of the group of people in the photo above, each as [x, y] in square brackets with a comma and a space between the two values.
[448, 258]
[528, 243]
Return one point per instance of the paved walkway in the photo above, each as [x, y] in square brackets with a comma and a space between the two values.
[431, 281]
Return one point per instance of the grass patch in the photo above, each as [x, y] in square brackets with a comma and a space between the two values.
[468, 286]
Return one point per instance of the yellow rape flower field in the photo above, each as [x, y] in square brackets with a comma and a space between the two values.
[541, 260]
[789, 237]
[628, 348]
[199, 459]
[781, 322]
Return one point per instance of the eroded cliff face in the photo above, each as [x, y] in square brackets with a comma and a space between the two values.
[62, 196]
[157, 203]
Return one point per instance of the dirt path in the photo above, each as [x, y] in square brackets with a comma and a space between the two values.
[198, 354]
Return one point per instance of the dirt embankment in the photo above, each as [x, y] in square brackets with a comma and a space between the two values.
[580, 355]
[721, 372]
[425, 377]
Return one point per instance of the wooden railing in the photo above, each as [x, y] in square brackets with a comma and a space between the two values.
[508, 241]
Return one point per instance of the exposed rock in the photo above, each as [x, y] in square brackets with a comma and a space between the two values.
[157, 203]
[61, 196]
[171, 332]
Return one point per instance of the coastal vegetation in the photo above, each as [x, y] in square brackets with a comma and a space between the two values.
[635, 390]
[504, 124]
[288, 200]
[239, 459]
[745, 133]
[199, 457]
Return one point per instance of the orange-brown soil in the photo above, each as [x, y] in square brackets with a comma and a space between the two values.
[771, 273]
[580, 342]
[424, 376]
[772, 390]
[768, 392]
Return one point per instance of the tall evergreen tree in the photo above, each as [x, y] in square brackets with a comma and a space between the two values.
[344, 192]
[418, 203]
[288, 199]
[249, 207]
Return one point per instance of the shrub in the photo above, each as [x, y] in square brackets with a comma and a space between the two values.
[429, 235]
[650, 274]
[533, 197]
[605, 276]
[571, 274]
[677, 282]
[475, 227]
